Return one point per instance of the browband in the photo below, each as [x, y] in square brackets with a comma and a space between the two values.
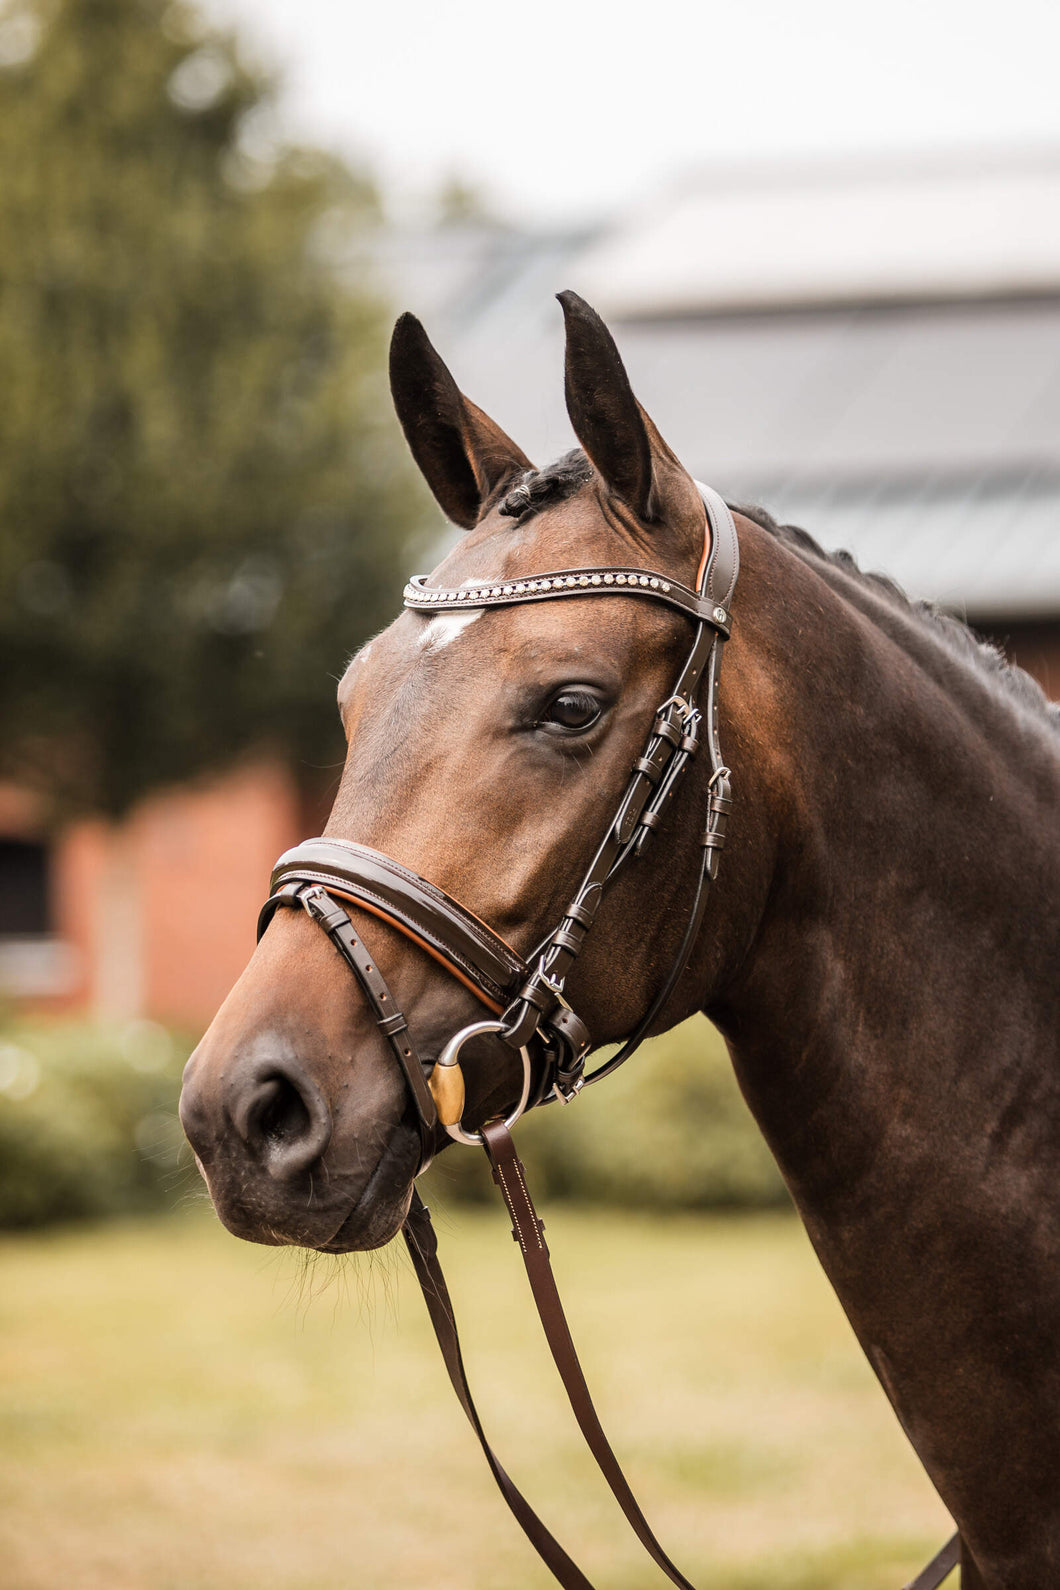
[607, 580]
[709, 605]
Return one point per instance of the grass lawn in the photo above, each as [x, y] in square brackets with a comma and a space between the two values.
[181, 1411]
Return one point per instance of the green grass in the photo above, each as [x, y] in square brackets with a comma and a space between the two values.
[180, 1411]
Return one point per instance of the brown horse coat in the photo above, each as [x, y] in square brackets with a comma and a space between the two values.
[881, 950]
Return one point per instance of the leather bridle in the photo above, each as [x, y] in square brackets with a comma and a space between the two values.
[526, 998]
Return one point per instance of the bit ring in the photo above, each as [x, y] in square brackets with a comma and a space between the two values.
[450, 1057]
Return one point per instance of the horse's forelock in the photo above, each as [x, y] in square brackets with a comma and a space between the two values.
[541, 488]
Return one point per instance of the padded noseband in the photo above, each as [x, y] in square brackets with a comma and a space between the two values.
[466, 947]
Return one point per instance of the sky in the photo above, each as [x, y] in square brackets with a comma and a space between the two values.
[569, 110]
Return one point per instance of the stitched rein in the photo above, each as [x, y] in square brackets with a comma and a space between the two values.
[527, 997]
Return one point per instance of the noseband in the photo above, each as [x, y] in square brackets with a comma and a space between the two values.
[526, 998]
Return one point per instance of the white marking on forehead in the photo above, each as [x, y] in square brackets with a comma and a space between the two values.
[446, 627]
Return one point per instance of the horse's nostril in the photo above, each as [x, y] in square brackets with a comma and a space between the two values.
[284, 1121]
[281, 1112]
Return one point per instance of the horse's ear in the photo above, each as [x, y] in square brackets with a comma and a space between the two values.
[622, 443]
[464, 457]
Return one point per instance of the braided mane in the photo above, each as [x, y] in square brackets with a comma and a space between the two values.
[983, 654]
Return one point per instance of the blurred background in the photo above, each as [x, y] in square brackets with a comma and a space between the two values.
[828, 241]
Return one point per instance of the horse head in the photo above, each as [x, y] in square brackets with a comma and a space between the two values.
[487, 750]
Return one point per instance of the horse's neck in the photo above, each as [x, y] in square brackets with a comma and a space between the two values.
[895, 1023]
[909, 921]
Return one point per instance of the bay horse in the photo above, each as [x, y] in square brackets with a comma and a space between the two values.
[880, 952]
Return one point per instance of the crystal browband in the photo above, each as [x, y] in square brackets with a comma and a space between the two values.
[568, 582]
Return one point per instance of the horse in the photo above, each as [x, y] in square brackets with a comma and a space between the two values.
[880, 953]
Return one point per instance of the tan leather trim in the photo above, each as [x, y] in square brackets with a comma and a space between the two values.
[435, 954]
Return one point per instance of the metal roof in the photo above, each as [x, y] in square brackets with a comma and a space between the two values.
[835, 232]
[920, 435]
[987, 550]
[879, 391]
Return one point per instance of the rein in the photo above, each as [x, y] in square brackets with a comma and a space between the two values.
[529, 1010]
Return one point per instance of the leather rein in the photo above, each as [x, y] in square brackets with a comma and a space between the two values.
[529, 1011]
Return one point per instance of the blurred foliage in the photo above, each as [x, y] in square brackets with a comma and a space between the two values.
[88, 1122]
[88, 1127]
[460, 202]
[668, 1130]
[203, 498]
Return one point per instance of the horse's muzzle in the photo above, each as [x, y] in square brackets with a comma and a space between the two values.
[262, 1130]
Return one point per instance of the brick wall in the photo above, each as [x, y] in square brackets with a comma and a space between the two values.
[157, 913]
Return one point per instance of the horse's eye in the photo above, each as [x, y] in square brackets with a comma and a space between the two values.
[571, 711]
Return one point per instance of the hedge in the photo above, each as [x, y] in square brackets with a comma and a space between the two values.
[89, 1128]
[88, 1121]
[668, 1130]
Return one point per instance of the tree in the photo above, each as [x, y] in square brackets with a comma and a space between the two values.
[203, 501]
